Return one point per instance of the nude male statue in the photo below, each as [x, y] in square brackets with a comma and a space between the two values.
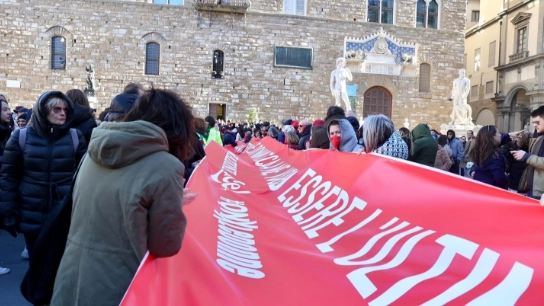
[462, 112]
[338, 83]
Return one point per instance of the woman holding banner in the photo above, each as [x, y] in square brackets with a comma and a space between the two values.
[127, 200]
[381, 137]
[342, 136]
[488, 161]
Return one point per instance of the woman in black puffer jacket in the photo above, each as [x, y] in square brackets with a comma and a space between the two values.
[36, 174]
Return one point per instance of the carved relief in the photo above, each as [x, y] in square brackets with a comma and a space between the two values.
[380, 53]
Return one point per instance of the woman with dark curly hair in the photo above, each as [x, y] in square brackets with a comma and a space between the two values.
[84, 119]
[127, 200]
[489, 165]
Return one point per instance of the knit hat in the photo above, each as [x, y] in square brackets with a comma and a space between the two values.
[318, 122]
[294, 123]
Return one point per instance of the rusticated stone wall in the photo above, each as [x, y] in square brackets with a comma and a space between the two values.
[111, 35]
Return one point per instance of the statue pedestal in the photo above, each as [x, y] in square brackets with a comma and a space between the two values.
[92, 102]
[460, 129]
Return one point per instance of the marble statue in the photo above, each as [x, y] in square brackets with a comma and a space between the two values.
[338, 83]
[462, 112]
[89, 90]
[406, 123]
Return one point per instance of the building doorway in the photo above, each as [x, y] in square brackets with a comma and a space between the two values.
[520, 111]
[377, 100]
[218, 111]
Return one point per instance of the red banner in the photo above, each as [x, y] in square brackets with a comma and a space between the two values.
[273, 226]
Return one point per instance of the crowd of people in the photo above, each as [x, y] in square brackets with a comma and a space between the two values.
[489, 157]
[81, 189]
[126, 197]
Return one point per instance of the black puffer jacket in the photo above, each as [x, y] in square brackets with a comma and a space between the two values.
[33, 180]
[83, 121]
[5, 133]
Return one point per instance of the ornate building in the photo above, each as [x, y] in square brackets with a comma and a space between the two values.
[227, 57]
[504, 58]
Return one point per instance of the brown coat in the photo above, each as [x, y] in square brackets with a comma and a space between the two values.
[538, 173]
[443, 160]
[127, 200]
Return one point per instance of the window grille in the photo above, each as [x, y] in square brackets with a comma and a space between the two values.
[152, 58]
[217, 65]
[381, 11]
[58, 53]
[424, 77]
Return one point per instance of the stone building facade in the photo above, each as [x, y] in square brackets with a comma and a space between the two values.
[113, 36]
[504, 55]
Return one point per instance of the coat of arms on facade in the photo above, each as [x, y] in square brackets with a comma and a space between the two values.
[380, 53]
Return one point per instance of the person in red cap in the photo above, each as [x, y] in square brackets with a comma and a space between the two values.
[294, 124]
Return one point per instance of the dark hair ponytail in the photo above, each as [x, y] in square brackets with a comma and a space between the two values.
[168, 111]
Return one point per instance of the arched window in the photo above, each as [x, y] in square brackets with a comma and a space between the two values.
[432, 21]
[424, 78]
[58, 52]
[217, 65]
[152, 58]
[421, 18]
[381, 11]
[427, 14]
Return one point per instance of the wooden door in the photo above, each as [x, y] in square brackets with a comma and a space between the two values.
[378, 100]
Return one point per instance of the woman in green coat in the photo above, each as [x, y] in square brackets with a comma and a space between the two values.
[424, 146]
[127, 200]
[213, 133]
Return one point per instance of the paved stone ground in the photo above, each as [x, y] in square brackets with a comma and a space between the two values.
[10, 257]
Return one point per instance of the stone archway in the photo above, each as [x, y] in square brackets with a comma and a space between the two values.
[377, 100]
[485, 117]
[514, 112]
[519, 112]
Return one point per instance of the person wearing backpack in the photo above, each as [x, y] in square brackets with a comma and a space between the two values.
[38, 165]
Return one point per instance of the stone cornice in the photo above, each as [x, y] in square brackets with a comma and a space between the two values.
[189, 6]
[520, 62]
[476, 28]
